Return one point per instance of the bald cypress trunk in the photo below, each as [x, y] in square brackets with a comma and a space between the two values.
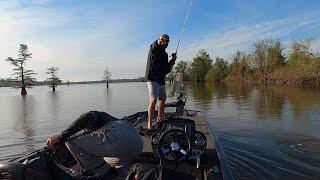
[23, 86]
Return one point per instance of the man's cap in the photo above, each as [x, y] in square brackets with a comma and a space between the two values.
[165, 36]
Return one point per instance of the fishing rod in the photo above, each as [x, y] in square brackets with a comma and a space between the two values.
[183, 26]
[21, 156]
[171, 90]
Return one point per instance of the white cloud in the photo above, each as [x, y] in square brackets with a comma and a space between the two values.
[39, 1]
[224, 44]
[83, 45]
[21, 26]
[4, 4]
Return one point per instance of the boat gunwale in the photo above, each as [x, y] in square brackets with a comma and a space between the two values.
[224, 165]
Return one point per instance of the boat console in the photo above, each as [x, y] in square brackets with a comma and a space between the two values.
[177, 141]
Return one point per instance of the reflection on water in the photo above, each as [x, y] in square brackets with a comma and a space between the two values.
[19, 130]
[108, 97]
[53, 105]
[24, 121]
[267, 132]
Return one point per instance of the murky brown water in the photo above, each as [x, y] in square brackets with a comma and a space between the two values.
[266, 132]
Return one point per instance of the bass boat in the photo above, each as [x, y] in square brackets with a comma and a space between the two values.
[183, 146]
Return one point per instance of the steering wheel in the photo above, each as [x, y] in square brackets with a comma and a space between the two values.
[174, 146]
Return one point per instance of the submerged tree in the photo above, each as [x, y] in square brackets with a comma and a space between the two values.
[219, 70]
[260, 54]
[267, 56]
[300, 52]
[200, 66]
[53, 80]
[23, 75]
[107, 76]
[276, 57]
[181, 68]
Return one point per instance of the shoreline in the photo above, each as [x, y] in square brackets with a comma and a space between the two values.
[303, 82]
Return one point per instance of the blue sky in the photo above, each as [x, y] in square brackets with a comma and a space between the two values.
[82, 37]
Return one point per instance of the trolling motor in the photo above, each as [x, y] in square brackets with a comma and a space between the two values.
[179, 105]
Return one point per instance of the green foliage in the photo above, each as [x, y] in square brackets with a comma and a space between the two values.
[219, 71]
[275, 55]
[239, 68]
[141, 79]
[8, 82]
[53, 79]
[200, 66]
[267, 56]
[182, 68]
[23, 76]
[300, 52]
[187, 75]
[266, 63]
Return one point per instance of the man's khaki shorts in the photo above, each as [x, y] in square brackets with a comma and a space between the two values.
[156, 91]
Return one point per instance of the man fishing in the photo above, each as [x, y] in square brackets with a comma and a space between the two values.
[157, 68]
[99, 141]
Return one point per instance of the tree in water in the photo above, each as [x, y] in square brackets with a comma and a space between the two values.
[181, 68]
[239, 68]
[219, 70]
[200, 66]
[53, 80]
[107, 76]
[300, 52]
[23, 75]
[267, 56]
[276, 57]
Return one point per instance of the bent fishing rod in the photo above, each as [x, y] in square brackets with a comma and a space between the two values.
[183, 26]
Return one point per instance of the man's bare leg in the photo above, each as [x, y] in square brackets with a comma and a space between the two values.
[160, 111]
[151, 107]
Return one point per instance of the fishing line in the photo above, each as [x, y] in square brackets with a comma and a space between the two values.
[183, 26]
[180, 37]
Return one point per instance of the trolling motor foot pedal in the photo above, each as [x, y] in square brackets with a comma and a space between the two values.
[198, 162]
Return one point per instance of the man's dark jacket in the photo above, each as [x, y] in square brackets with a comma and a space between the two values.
[157, 65]
[88, 122]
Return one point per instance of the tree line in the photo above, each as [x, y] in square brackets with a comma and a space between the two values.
[267, 62]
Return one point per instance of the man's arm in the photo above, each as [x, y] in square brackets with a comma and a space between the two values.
[171, 63]
[91, 120]
[154, 61]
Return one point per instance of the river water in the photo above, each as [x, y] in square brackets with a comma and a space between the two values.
[267, 132]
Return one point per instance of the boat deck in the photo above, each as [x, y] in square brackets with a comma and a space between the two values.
[208, 161]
